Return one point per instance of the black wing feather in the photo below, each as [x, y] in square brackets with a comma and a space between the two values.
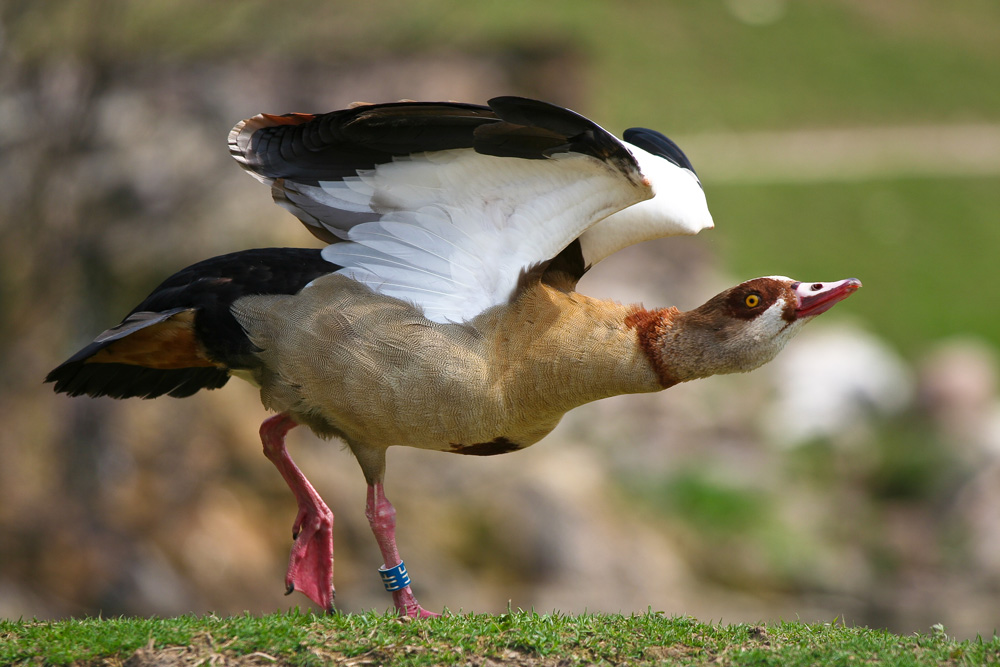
[206, 289]
[653, 142]
[297, 151]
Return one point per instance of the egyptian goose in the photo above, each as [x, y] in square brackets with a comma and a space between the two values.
[442, 313]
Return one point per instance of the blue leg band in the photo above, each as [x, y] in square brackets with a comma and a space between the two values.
[394, 578]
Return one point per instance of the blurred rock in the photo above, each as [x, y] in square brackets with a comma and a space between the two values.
[958, 390]
[834, 383]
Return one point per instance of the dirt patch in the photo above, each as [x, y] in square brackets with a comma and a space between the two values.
[520, 659]
[204, 651]
[204, 654]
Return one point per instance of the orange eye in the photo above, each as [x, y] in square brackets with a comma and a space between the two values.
[752, 300]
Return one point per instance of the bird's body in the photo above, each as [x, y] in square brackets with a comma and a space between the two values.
[443, 315]
[388, 375]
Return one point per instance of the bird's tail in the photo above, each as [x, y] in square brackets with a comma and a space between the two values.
[183, 337]
[149, 354]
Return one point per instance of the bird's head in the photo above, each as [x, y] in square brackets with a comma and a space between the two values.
[743, 327]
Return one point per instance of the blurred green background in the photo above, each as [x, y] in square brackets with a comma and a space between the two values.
[857, 477]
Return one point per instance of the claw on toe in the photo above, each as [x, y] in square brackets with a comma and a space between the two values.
[415, 613]
[420, 612]
[407, 606]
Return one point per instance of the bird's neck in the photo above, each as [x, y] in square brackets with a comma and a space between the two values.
[566, 349]
[683, 346]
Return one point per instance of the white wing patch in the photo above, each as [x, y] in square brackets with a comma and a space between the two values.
[677, 208]
[453, 231]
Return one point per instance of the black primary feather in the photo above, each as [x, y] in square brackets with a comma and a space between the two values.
[335, 145]
[656, 143]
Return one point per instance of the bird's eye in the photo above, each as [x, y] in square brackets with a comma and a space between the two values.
[752, 300]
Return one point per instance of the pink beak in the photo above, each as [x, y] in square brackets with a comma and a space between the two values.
[816, 298]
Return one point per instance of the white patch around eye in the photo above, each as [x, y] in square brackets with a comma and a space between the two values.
[762, 338]
[769, 323]
[772, 325]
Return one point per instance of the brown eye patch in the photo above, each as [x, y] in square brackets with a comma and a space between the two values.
[744, 302]
[750, 299]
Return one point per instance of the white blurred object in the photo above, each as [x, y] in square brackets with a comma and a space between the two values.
[831, 381]
[959, 380]
[958, 389]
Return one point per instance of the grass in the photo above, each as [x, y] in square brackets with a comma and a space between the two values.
[520, 638]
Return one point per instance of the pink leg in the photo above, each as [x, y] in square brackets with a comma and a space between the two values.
[310, 565]
[382, 517]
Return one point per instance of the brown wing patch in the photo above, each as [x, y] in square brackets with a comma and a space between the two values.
[284, 119]
[167, 344]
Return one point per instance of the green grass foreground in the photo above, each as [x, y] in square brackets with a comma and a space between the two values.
[519, 638]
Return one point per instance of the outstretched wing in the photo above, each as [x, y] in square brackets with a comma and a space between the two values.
[446, 205]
